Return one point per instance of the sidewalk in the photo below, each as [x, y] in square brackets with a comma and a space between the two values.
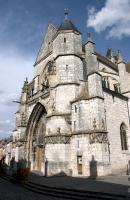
[118, 184]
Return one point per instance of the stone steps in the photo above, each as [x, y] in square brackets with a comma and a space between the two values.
[71, 193]
[6, 177]
[11, 179]
[65, 193]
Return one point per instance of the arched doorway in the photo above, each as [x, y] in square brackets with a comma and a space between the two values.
[36, 136]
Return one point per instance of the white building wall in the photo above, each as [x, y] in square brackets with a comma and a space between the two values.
[117, 113]
[69, 69]
[56, 122]
[88, 113]
[64, 95]
[67, 43]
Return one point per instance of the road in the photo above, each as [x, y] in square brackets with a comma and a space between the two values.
[10, 191]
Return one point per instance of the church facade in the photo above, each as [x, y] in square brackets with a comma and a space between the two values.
[76, 110]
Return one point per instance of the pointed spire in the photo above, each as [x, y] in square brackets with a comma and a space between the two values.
[25, 85]
[90, 44]
[26, 81]
[119, 57]
[110, 55]
[66, 13]
[89, 39]
[67, 24]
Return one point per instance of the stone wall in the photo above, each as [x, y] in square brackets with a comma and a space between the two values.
[57, 125]
[80, 146]
[38, 69]
[117, 113]
[69, 69]
[58, 157]
[67, 43]
[64, 95]
[111, 74]
[95, 85]
[88, 115]
[124, 78]
[46, 46]
[106, 68]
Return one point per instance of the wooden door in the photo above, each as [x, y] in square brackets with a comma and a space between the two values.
[39, 158]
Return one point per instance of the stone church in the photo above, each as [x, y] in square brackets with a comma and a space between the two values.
[74, 116]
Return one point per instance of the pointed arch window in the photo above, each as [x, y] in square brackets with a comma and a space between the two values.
[123, 136]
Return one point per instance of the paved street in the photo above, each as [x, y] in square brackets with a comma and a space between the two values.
[10, 191]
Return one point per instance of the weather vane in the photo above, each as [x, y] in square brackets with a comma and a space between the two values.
[66, 13]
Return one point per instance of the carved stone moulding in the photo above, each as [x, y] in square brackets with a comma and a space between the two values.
[98, 138]
[57, 139]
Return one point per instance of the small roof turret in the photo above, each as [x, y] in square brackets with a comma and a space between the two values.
[89, 38]
[110, 55]
[89, 44]
[67, 24]
[25, 86]
[119, 57]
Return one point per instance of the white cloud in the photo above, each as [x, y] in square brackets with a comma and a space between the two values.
[1, 92]
[7, 99]
[6, 127]
[115, 15]
[7, 121]
[19, 37]
[4, 133]
[14, 68]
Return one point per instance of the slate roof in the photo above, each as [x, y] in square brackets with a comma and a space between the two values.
[106, 61]
[67, 25]
[111, 64]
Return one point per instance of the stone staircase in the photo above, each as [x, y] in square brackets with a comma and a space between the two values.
[65, 193]
[73, 194]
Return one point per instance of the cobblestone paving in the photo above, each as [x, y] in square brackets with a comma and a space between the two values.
[10, 191]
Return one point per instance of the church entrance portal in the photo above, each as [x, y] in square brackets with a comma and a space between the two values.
[36, 137]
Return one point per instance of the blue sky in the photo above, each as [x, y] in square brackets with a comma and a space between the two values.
[23, 24]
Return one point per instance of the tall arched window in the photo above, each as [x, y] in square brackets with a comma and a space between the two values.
[123, 137]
